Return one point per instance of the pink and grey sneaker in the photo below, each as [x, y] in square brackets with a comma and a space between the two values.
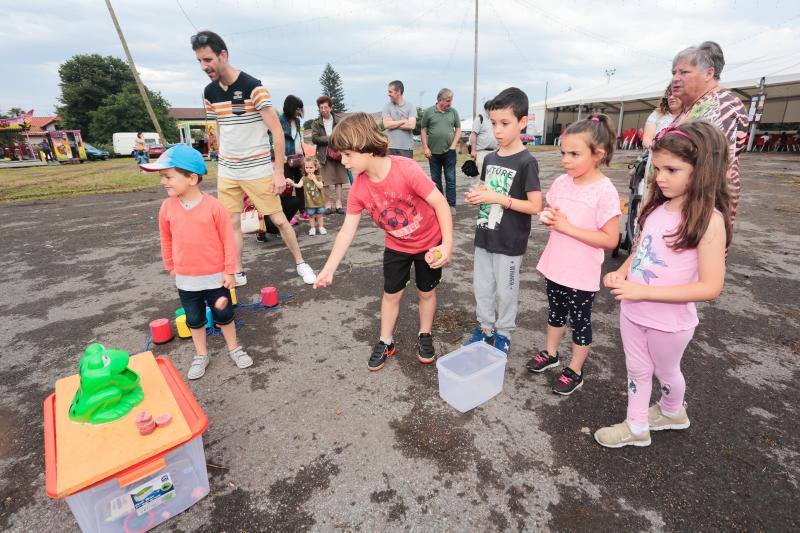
[568, 382]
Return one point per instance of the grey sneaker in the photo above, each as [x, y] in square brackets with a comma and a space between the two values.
[240, 357]
[241, 279]
[620, 435]
[198, 366]
[659, 421]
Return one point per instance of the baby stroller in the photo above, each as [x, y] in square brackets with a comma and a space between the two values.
[637, 188]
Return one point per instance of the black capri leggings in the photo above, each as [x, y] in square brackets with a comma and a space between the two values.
[575, 303]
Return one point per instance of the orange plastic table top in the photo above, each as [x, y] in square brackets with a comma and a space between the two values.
[78, 455]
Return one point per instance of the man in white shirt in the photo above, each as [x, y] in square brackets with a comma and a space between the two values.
[481, 140]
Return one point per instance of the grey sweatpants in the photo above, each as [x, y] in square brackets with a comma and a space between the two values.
[496, 282]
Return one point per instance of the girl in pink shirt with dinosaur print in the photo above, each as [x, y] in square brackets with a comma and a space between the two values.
[679, 260]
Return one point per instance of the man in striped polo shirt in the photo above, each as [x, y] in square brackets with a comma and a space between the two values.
[244, 114]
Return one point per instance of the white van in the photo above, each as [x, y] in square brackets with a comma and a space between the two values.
[125, 141]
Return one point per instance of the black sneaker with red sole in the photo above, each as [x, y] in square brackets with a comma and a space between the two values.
[426, 353]
[380, 353]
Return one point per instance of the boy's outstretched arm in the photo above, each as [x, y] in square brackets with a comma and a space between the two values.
[340, 246]
[442, 208]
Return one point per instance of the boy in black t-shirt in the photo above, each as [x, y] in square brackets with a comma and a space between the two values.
[508, 198]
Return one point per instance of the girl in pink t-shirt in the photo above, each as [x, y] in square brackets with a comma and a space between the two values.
[679, 260]
[582, 215]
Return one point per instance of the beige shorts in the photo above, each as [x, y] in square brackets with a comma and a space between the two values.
[231, 194]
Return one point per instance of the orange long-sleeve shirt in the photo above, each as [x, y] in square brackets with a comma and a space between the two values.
[197, 241]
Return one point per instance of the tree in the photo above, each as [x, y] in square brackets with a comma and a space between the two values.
[332, 86]
[125, 111]
[11, 113]
[418, 128]
[86, 81]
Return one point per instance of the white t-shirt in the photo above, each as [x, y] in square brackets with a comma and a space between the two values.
[661, 121]
[328, 123]
[483, 129]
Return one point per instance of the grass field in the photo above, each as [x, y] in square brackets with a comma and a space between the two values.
[96, 177]
[63, 181]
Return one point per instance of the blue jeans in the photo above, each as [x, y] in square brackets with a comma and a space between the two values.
[448, 161]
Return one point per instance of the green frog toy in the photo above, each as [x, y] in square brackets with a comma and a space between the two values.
[109, 389]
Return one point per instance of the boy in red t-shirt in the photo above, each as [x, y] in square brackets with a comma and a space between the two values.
[403, 202]
[199, 251]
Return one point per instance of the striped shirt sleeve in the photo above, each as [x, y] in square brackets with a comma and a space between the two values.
[261, 98]
[211, 113]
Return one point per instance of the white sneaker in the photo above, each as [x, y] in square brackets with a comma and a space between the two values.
[198, 366]
[323, 231]
[240, 357]
[313, 231]
[241, 279]
[305, 271]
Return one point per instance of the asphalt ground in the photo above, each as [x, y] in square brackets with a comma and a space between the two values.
[308, 439]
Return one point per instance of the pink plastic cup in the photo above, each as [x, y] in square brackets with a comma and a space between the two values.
[161, 331]
[269, 296]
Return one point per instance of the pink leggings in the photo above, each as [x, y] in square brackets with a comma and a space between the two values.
[647, 352]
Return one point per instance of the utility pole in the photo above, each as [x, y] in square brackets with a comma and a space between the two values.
[755, 102]
[544, 115]
[610, 72]
[135, 73]
[475, 68]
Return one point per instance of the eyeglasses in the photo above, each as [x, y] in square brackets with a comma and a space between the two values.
[198, 39]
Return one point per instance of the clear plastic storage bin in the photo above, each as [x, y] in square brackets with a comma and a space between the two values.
[471, 375]
[109, 507]
[143, 495]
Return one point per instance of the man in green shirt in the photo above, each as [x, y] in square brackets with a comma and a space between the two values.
[441, 129]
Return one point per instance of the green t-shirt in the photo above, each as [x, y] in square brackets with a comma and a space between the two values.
[313, 196]
[441, 128]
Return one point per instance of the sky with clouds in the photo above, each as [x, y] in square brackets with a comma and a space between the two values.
[426, 44]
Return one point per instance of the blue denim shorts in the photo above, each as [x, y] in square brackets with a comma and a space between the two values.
[311, 211]
[194, 304]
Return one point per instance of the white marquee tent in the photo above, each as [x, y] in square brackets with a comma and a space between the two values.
[629, 103]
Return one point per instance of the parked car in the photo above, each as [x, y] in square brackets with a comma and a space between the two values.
[93, 153]
[155, 150]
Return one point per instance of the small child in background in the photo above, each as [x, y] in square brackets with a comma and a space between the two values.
[679, 260]
[198, 250]
[403, 202]
[582, 215]
[508, 196]
[315, 199]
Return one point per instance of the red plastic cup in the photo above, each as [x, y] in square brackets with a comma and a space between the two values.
[269, 296]
[161, 331]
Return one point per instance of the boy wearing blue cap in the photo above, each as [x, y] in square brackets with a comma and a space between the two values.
[198, 250]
